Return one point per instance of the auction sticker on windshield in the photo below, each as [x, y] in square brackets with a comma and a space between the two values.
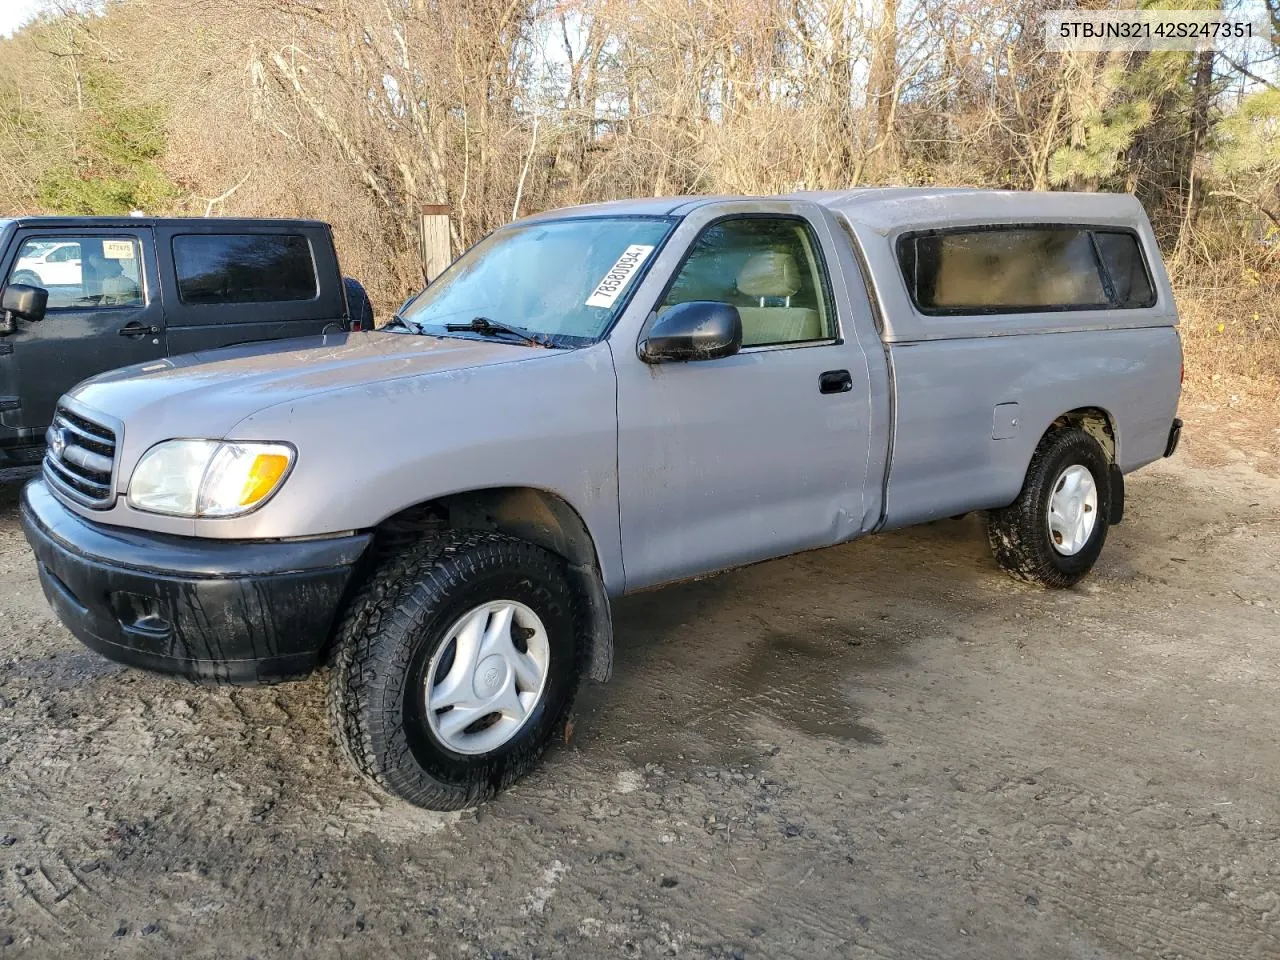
[617, 277]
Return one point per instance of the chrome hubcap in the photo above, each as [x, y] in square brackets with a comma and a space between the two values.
[486, 678]
[1073, 510]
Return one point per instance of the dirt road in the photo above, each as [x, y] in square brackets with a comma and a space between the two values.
[883, 750]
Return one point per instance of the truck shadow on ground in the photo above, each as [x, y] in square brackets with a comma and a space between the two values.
[791, 642]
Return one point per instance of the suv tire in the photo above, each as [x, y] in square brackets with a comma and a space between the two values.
[469, 617]
[359, 307]
[1053, 533]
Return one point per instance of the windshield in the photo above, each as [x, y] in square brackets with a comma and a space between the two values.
[563, 279]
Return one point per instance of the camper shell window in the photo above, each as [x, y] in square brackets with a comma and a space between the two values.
[1024, 268]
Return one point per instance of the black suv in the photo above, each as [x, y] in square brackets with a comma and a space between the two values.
[86, 294]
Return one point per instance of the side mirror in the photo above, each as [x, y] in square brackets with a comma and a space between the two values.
[695, 330]
[21, 300]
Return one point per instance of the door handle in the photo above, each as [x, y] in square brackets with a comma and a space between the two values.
[835, 381]
[136, 329]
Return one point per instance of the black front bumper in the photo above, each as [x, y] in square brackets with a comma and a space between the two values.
[224, 611]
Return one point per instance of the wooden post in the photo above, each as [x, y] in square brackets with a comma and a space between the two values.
[433, 240]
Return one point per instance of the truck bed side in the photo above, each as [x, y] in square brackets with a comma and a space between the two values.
[954, 397]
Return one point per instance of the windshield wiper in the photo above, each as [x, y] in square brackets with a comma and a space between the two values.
[398, 321]
[487, 327]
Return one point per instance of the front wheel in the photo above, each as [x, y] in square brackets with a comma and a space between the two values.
[1053, 533]
[29, 277]
[455, 666]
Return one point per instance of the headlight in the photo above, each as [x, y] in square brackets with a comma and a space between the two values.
[208, 478]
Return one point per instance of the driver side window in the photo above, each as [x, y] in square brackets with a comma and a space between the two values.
[82, 272]
[767, 267]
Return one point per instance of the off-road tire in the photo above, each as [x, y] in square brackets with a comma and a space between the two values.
[1019, 533]
[392, 626]
[359, 306]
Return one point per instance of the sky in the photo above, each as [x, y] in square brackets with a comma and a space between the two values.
[14, 13]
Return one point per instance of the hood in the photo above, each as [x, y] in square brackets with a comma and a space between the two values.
[206, 394]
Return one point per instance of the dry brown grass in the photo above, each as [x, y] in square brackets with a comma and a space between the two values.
[1231, 336]
[1230, 327]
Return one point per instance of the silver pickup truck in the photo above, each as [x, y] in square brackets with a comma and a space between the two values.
[592, 402]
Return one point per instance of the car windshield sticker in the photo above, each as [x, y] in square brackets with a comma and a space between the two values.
[615, 280]
[117, 249]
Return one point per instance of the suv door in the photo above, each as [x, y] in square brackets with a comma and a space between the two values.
[242, 282]
[102, 314]
[764, 453]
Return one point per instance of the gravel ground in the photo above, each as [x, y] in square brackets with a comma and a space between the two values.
[886, 749]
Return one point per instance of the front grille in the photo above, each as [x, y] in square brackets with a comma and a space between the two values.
[80, 457]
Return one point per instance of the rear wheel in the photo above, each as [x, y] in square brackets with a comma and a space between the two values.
[1053, 533]
[359, 307]
[456, 664]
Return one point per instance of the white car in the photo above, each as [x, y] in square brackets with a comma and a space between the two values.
[57, 265]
